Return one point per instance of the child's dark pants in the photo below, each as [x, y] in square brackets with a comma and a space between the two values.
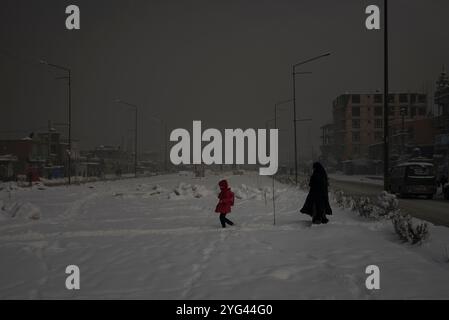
[225, 220]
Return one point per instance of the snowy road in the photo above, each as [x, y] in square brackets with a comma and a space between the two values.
[154, 238]
[435, 211]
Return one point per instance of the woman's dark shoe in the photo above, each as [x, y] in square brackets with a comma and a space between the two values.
[325, 220]
[316, 221]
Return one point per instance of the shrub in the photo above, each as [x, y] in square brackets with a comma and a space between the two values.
[388, 203]
[404, 227]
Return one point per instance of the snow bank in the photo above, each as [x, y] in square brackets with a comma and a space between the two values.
[188, 191]
[142, 245]
[245, 192]
[155, 190]
[19, 210]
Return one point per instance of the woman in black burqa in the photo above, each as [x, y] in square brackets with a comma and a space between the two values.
[317, 202]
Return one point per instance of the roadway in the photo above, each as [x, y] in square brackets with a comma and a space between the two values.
[435, 211]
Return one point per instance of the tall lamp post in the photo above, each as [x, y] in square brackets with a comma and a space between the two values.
[294, 73]
[268, 127]
[135, 131]
[386, 95]
[276, 105]
[69, 78]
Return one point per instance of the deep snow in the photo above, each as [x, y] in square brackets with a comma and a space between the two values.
[158, 237]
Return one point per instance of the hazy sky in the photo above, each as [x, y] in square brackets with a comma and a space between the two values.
[223, 62]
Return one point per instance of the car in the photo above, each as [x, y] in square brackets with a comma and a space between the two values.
[413, 178]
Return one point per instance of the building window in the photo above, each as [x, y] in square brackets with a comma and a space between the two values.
[422, 98]
[356, 150]
[356, 137]
[422, 111]
[356, 111]
[412, 112]
[412, 98]
[378, 98]
[404, 111]
[403, 98]
[356, 124]
[391, 98]
[378, 124]
[355, 98]
[378, 111]
[391, 110]
[378, 136]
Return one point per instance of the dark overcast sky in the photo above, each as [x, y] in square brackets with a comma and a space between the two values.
[223, 62]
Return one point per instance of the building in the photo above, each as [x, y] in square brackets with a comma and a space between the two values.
[7, 167]
[105, 160]
[358, 120]
[327, 144]
[44, 152]
[441, 124]
[27, 151]
[441, 99]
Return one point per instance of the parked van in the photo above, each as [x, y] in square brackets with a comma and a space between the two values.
[414, 178]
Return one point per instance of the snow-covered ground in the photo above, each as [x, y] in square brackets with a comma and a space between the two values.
[159, 238]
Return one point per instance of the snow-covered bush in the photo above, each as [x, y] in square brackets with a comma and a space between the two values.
[338, 197]
[365, 208]
[388, 203]
[403, 225]
[383, 207]
[344, 201]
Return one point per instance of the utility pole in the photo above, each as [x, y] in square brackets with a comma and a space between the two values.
[135, 143]
[276, 105]
[69, 80]
[294, 73]
[166, 148]
[386, 96]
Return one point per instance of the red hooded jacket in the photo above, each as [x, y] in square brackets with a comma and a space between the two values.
[226, 197]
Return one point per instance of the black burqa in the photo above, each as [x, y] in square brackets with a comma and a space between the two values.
[317, 202]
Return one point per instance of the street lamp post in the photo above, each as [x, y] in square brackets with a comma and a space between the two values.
[135, 131]
[294, 73]
[69, 78]
[276, 105]
[386, 95]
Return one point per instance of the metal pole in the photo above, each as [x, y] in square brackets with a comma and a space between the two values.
[294, 105]
[274, 202]
[386, 111]
[69, 78]
[70, 126]
[403, 133]
[135, 145]
[294, 125]
[166, 147]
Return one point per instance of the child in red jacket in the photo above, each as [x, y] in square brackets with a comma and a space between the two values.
[226, 197]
